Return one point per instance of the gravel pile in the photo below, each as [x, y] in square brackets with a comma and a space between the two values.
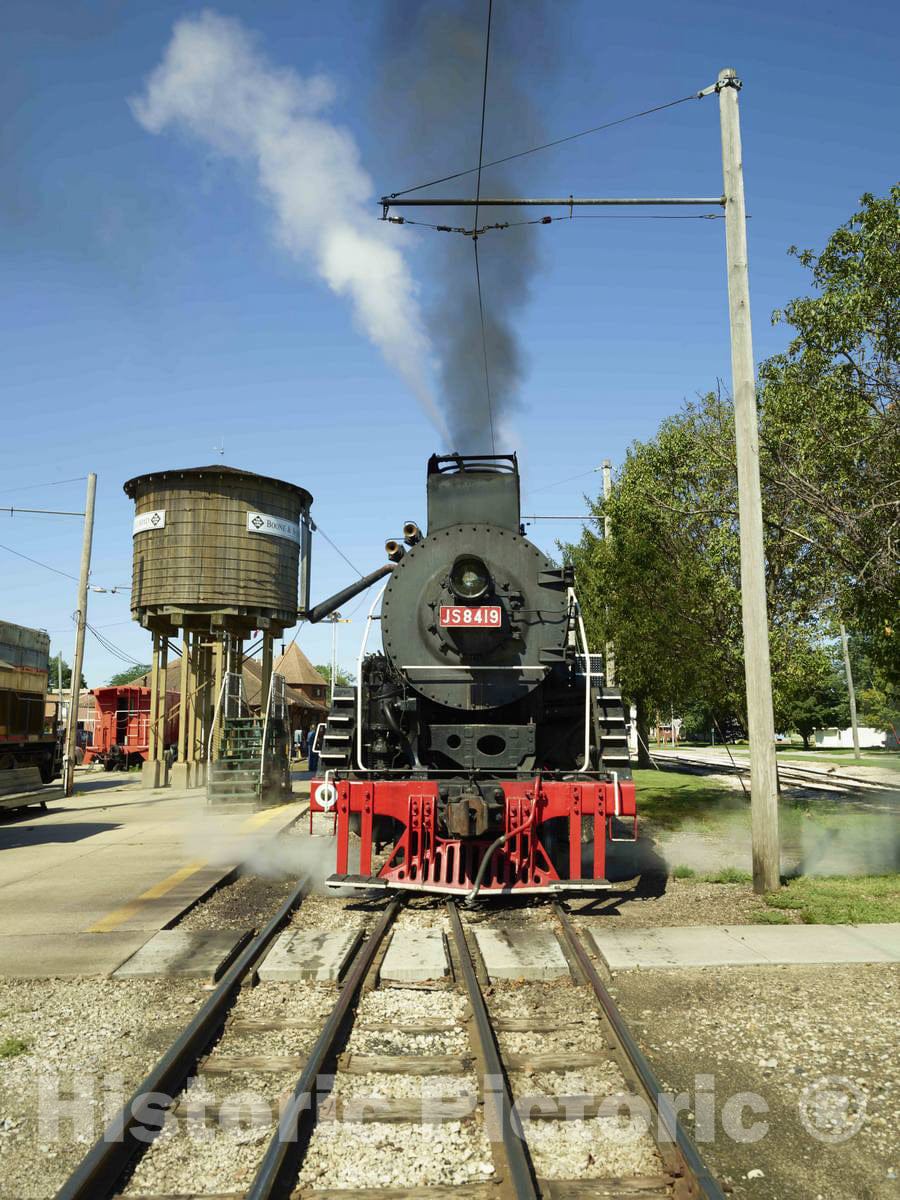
[373, 1041]
[336, 912]
[405, 1006]
[685, 902]
[99, 1035]
[358, 1154]
[516, 999]
[203, 1158]
[578, 1039]
[247, 903]
[298, 1001]
[779, 1032]
[267, 1041]
[406, 1087]
[595, 1149]
[424, 912]
[605, 1079]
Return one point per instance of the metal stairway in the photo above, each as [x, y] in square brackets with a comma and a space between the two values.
[336, 751]
[233, 776]
[613, 731]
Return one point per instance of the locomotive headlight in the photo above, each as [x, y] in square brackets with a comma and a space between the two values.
[469, 578]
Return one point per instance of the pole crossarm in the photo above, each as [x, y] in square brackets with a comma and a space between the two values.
[387, 202]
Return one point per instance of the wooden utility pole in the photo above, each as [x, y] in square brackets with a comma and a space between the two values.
[757, 670]
[851, 691]
[81, 622]
[610, 655]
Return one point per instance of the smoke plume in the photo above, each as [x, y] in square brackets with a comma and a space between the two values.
[431, 98]
[214, 84]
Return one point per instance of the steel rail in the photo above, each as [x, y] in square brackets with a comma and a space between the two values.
[274, 1177]
[784, 769]
[100, 1171]
[701, 1181]
[521, 1174]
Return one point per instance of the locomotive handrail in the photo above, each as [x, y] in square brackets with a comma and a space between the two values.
[359, 675]
[586, 765]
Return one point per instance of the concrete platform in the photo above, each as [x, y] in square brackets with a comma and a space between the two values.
[50, 955]
[522, 954]
[186, 954]
[308, 954]
[115, 859]
[415, 956]
[747, 945]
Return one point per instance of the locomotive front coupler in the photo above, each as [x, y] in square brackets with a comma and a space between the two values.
[465, 811]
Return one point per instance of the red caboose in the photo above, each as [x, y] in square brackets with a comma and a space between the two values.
[122, 728]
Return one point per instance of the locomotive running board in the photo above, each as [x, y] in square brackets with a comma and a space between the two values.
[368, 882]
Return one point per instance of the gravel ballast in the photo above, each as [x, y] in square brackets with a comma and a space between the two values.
[811, 1042]
[101, 1035]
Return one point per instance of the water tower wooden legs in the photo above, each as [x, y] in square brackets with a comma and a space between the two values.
[153, 772]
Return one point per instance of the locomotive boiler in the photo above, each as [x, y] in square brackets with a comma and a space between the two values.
[479, 751]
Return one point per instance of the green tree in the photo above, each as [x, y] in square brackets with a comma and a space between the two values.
[666, 587]
[342, 678]
[809, 692]
[830, 420]
[130, 673]
[53, 680]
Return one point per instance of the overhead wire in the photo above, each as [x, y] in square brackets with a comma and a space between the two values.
[28, 487]
[487, 375]
[476, 232]
[338, 550]
[496, 162]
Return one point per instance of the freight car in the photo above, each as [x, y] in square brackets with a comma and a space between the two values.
[480, 745]
[122, 728]
[26, 739]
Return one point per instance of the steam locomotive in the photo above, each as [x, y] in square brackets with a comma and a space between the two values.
[479, 746]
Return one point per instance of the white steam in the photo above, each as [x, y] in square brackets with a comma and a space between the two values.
[215, 84]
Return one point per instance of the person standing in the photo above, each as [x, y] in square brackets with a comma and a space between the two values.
[311, 754]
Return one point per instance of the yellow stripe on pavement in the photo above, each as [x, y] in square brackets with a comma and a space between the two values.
[119, 915]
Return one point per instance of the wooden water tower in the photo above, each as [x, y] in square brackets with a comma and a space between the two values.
[218, 555]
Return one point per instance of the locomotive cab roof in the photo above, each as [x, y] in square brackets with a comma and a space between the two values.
[479, 488]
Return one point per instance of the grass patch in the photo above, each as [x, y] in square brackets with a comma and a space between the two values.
[770, 916]
[684, 873]
[840, 900]
[12, 1047]
[667, 799]
[729, 875]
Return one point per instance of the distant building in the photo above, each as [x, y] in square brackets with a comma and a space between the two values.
[842, 739]
[301, 675]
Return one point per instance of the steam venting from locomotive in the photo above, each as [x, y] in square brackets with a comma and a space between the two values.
[215, 85]
[432, 87]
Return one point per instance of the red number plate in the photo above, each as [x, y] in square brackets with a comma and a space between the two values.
[461, 616]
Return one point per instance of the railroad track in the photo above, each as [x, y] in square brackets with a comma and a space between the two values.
[830, 779]
[485, 1117]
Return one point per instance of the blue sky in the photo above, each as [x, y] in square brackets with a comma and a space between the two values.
[148, 309]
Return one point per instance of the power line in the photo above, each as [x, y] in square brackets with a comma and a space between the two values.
[476, 232]
[27, 487]
[118, 587]
[487, 376]
[568, 479]
[46, 566]
[547, 145]
[319, 529]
